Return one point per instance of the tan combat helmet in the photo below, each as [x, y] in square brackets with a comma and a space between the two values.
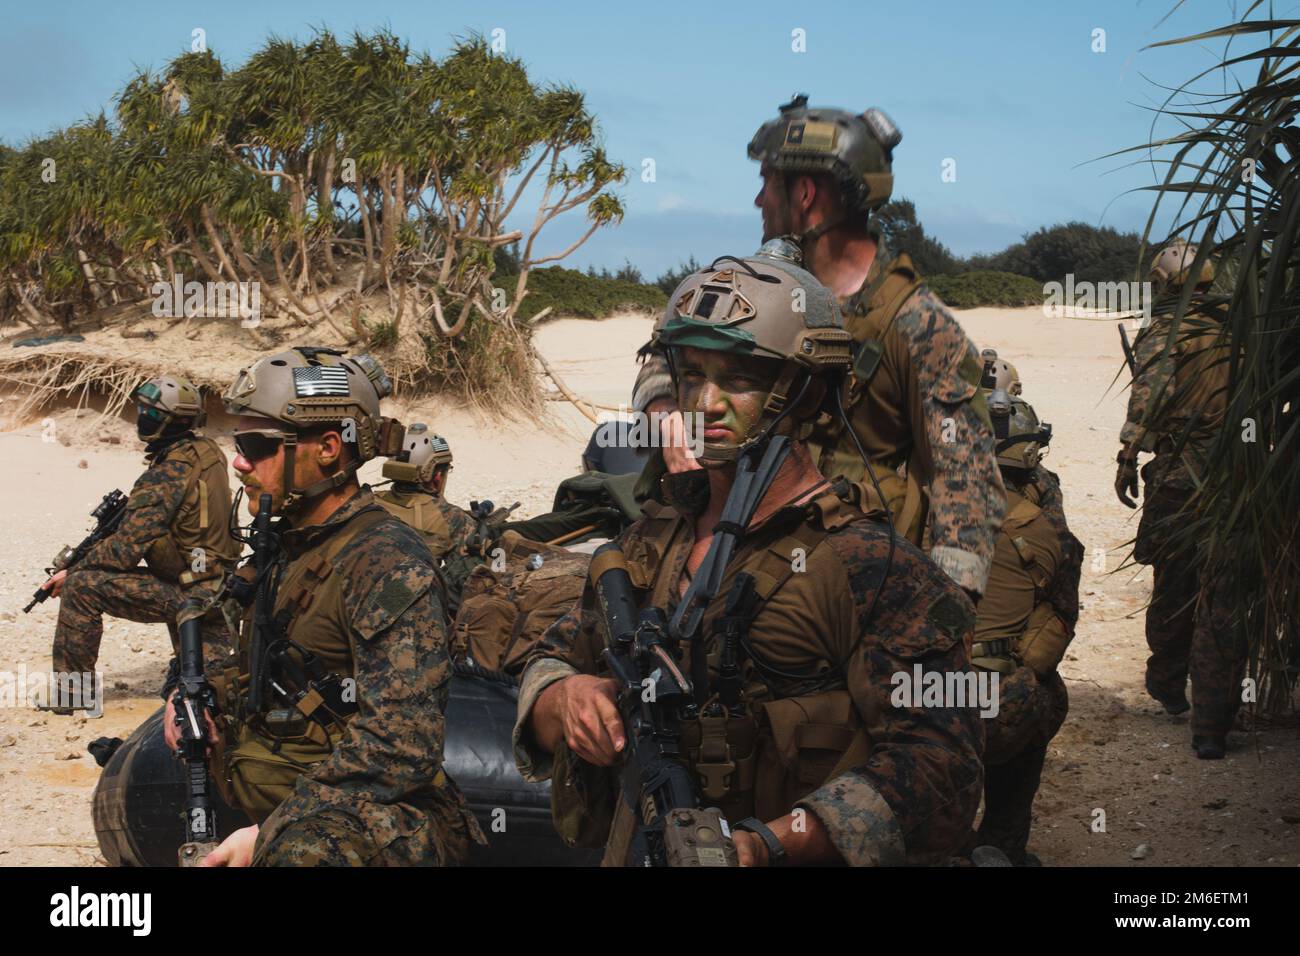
[309, 387]
[167, 400]
[1170, 266]
[1026, 438]
[999, 373]
[857, 150]
[759, 307]
[422, 454]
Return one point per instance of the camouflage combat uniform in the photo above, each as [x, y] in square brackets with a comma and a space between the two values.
[891, 784]
[446, 529]
[922, 420]
[1189, 624]
[181, 503]
[358, 591]
[1031, 607]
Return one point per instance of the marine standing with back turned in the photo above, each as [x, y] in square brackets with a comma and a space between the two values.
[913, 392]
[417, 497]
[1175, 409]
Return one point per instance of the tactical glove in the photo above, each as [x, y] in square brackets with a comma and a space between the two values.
[1126, 481]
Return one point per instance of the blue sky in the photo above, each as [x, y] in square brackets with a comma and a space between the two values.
[1009, 89]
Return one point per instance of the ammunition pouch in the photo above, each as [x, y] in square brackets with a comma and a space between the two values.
[1042, 646]
[723, 754]
[307, 693]
[584, 798]
[994, 655]
[803, 743]
[258, 772]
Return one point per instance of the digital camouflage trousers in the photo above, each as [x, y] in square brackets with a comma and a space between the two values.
[1189, 624]
[1030, 712]
[136, 595]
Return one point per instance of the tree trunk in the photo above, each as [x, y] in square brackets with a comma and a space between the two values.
[215, 239]
[363, 199]
[278, 258]
[325, 208]
[389, 207]
[196, 251]
[96, 291]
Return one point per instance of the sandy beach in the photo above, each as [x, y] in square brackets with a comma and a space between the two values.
[1118, 752]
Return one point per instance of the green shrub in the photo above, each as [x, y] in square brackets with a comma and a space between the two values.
[971, 290]
[572, 293]
[382, 334]
[1089, 253]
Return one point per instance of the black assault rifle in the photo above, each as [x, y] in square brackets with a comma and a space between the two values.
[655, 695]
[108, 515]
[1128, 351]
[193, 702]
[265, 545]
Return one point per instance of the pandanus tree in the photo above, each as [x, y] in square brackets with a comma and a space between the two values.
[1232, 177]
[326, 171]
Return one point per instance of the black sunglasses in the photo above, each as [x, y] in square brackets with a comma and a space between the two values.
[255, 446]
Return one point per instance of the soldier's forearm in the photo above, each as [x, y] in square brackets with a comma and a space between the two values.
[806, 840]
[855, 819]
[532, 755]
[546, 724]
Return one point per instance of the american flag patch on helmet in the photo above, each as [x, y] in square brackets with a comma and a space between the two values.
[320, 380]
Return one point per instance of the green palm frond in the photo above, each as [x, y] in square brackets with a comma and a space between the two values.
[1233, 176]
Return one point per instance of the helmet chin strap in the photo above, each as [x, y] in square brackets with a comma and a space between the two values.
[294, 498]
[786, 225]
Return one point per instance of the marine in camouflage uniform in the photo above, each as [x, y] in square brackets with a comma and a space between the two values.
[1179, 395]
[913, 395]
[1026, 619]
[341, 762]
[176, 521]
[821, 738]
[419, 475]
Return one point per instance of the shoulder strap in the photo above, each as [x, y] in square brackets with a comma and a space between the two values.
[884, 298]
[208, 453]
[776, 564]
[320, 565]
[900, 282]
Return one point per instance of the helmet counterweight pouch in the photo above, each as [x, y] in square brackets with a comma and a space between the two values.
[388, 443]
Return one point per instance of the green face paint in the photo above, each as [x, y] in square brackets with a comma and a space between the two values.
[726, 394]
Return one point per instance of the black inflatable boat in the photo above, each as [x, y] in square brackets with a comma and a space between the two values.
[138, 800]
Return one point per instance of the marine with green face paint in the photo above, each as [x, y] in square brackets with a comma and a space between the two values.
[913, 388]
[793, 731]
[176, 522]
